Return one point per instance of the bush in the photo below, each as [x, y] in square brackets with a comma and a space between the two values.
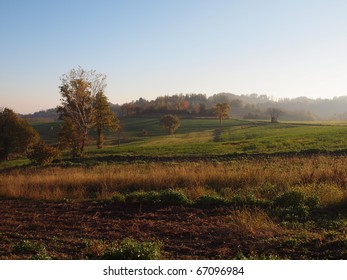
[293, 204]
[167, 197]
[117, 198]
[140, 197]
[172, 197]
[43, 153]
[130, 249]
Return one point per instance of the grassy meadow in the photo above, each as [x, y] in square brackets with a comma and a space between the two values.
[281, 187]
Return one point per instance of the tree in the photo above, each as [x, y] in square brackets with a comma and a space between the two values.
[170, 122]
[104, 118]
[274, 114]
[221, 110]
[16, 135]
[78, 90]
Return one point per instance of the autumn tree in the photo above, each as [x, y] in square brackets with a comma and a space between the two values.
[274, 114]
[171, 123]
[104, 118]
[78, 90]
[16, 135]
[221, 110]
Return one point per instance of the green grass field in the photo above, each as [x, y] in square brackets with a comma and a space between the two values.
[204, 137]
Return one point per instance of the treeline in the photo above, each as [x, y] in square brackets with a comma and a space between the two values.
[248, 106]
[241, 106]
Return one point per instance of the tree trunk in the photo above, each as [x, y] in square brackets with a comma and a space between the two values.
[100, 140]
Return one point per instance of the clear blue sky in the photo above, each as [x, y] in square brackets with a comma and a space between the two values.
[150, 48]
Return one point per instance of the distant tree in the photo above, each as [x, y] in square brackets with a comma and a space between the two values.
[16, 135]
[104, 118]
[221, 110]
[274, 114]
[171, 123]
[78, 90]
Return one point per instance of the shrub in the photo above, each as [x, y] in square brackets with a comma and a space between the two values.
[172, 197]
[130, 249]
[141, 197]
[117, 198]
[293, 204]
[167, 197]
[43, 153]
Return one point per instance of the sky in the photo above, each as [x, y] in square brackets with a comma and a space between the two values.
[151, 48]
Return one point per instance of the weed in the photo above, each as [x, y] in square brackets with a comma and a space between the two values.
[37, 250]
[26, 247]
[255, 256]
[42, 254]
[130, 249]
[95, 248]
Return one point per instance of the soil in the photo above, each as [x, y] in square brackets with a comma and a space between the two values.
[185, 232]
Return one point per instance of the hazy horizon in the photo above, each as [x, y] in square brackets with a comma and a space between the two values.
[283, 49]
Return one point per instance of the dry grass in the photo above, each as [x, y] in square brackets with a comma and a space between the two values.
[254, 223]
[324, 176]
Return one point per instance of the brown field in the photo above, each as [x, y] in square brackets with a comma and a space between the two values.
[69, 214]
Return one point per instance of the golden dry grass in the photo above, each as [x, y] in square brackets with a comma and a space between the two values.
[254, 223]
[321, 175]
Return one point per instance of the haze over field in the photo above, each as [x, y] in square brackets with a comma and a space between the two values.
[152, 48]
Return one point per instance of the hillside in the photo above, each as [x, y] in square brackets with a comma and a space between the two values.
[202, 137]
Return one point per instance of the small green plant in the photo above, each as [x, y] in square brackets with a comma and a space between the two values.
[42, 255]
[130, 249]
[255, 256]
[26, 247]
[37, 250]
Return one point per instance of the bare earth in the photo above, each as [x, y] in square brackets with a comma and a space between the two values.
[186, 232]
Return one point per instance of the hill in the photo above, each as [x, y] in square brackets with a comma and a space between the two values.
[202, 137]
